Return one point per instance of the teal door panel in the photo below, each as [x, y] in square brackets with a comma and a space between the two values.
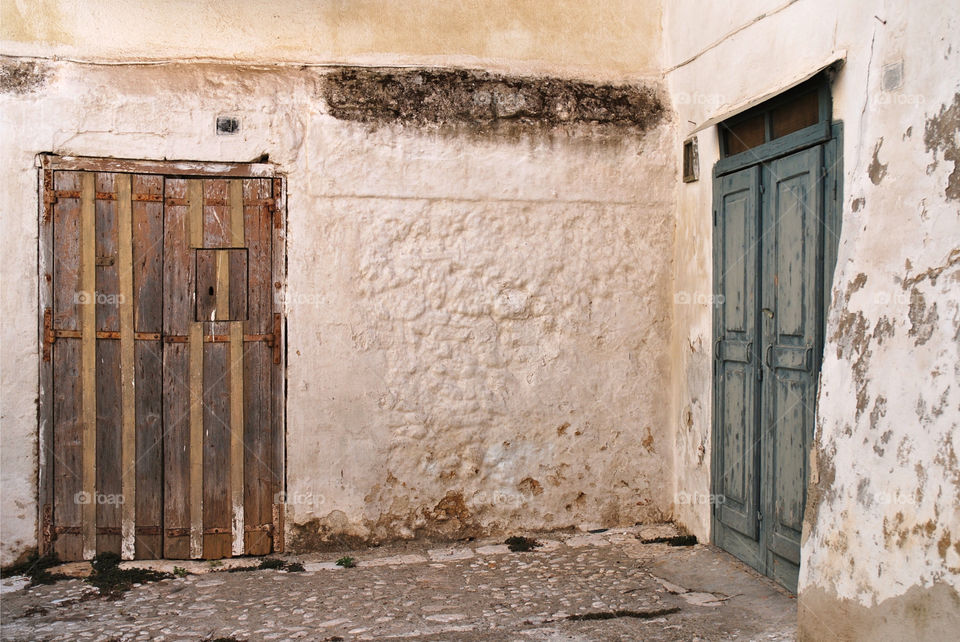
[736, 457]
[771, 222]
[792, 222]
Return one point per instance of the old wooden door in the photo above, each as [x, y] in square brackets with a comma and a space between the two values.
[769, 275]
[161, 404]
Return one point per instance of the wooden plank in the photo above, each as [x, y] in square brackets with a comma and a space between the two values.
[178, 308]
[149, 451]
[195, 348]
[67, 421]
[217, 512]
[236, 434]
[195, 212]
[148, 256]
[88, 350]
[278, 363]
[108, 495]
[107, 269]
[165, 168]
[128, 449]
[222, 305]
[45, 451]
[66, 257]
[257, 476]
[147, 251]
[217, 500]
[236, 381]
[258, 427]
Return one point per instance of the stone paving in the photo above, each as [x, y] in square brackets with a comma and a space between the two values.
[577, 586]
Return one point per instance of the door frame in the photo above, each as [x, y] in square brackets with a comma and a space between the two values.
[47, 164]
[829, 134]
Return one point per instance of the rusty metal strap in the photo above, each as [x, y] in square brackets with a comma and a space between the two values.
[183, 532]
[53, 335]
[220, 338]
[183, 202]
[105, 530]
[52, 196]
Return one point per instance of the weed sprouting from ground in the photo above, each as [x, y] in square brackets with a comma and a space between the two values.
[113, 581]
[522, 544]
[346, 562]
[272, 563]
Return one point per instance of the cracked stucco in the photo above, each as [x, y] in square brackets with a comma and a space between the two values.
[882, 519]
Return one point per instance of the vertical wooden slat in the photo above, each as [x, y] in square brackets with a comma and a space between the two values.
[147, 255]
[222, 309]
[275, 391]
[45, 400]
[108, 379]
[67, 430]
[217, 500]
[195, 348]
[177, 314]
[128, 444]
[258, 472]
[88, 325]
[195, 212]
[236, 384]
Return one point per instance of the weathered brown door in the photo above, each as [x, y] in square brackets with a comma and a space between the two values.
[161, 415]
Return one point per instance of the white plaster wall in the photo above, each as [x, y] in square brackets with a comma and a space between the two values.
[613, 38]
[477, 317]
[889, 481]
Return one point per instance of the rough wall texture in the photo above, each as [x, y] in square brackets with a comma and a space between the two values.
[479, 101]
[880, 558]
[477, 324]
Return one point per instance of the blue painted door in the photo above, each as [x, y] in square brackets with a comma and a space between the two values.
[768, 281]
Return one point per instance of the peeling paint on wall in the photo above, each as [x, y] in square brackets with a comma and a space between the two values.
[941, 134]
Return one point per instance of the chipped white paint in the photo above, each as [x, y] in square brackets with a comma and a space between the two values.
[889, 414]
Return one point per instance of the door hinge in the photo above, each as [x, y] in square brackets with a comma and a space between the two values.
[46, 529]
[274, 210]
[277, 337]
[759, 516]
[49, 196]
[762, 189]
[48, 335]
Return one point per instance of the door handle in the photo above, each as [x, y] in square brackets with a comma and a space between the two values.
[807, 357]
[716, 348]
[766, 356]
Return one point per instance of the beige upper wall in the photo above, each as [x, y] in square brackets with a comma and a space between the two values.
[610, 38]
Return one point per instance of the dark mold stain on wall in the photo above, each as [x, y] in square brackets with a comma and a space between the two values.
[877, 170]
[484, 101]
[941, 134]
[21, 77]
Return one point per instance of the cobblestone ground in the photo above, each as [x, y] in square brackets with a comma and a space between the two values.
[604, 586]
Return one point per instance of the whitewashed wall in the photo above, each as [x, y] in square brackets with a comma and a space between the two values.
[478, 325]
[881, 555]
